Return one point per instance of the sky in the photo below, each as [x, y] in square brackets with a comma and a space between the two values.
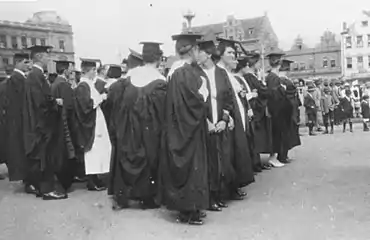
[105, 29]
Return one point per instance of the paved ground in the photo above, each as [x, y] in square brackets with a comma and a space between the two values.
[323, 194]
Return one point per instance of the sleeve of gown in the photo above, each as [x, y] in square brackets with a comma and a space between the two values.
[41, 96]
[83, 103]
[276, 93]
[185, 109]
[228, 98]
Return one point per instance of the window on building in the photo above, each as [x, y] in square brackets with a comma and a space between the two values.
[231, 38]
[33, 41]
[368, 61]
[251, 31]
[43, 42]
[14, 43]
[359, 41]
[368, 40]
[365, 23]
[332, 63]
[2, 41]
[349, 62]
[61, 45]
[6, 61]
[302, 66]
[24, 42]
[325, 63]
[348, 42]
[360, 62]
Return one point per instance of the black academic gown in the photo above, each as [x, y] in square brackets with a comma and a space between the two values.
[60, 88]
[184, 165]
[135, 129]
[261, 122]
[14, 146]
[242, 156]
[40, 114]
[3, 123]
[280, 109]
[219, 144]
[293, 122]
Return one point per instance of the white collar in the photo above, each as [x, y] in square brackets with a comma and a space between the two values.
[37, 66]
[142, 76]
[20, 72]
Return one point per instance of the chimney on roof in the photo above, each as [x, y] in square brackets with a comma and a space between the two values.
[344, 26]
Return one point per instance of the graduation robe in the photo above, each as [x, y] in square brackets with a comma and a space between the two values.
[184, 165]
[261, 122]
[60, 88]
[242, 156]
[3, 132]
[281, 110]
[219, 144]
[92, 131]
[136, 106]
[40, 113]
[14, 152]
[293, 121]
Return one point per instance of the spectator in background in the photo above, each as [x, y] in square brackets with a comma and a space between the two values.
[347, 106]
[365, 111]
[317, 97]
[327, 106]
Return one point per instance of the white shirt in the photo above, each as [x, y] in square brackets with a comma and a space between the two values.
[37, 66]
[213, 92]
[20, 72]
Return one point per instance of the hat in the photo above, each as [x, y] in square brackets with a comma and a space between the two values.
[208, 43]
[39, 49]
[114, 71]
[285, 65]
[311, 87]
[21, 56]
[62, 64]
[185, 41]
[135, 54]
[151, 49]
[88, 62]
[275, 53]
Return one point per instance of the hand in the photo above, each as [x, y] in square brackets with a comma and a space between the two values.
[254, 94]
[211, 127]
[283, 86]
[59, 101]
[231, 123]
[250, 113]
[220, 126]
[243, 93]
[104, 96]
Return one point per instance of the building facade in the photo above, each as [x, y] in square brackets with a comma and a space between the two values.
[322, 61]
[255, 33]
[356, 49]
[44, 28]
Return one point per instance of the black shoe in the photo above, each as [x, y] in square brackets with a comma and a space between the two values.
[96, 188]
[215, 208]
[195, 221]
[119, 202]
[149, 204]
[202, 214]
[241, 193]
[54, 196]
[285, 161]
[30, 189]
[222, 204]
[236, 197]
[326, 132]
[79, 180]
[2, 177]
[257, 169]
[266, 167]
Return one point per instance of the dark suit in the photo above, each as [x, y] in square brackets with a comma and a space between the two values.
[310, 106]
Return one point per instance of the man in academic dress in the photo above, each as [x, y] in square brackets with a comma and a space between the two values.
[62, 89]
[136, 124]
[39, 116]
[184, 168]
[14, 153]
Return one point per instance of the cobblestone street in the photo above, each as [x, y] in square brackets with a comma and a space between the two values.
[324, 194]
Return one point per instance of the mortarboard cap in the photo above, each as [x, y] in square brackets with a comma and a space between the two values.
[21, 56]
[135, 54]
[275, 53]
[88, 62]
[151, 49]
[39, 49]
[114, 71]
[185, 41]
[62, 64]
[228, 42]
[207, 41]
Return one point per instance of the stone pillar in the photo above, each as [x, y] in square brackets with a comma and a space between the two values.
[2, 70]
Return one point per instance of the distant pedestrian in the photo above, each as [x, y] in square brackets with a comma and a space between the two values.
[347, 106]
[311, 111]
[327, 106]
[365, 112]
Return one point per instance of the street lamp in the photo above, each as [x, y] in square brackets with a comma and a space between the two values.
[189, 16]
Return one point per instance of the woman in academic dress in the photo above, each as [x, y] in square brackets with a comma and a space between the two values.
[243, 162]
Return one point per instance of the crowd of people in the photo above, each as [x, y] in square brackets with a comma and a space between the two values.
[329, 103]
[190, 141]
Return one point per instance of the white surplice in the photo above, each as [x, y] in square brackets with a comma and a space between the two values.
[97, 160]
